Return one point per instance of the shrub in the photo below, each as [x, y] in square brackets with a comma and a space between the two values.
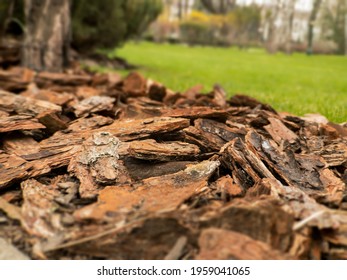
[239, 27]
[11, 23]
[202, 29]
[108, 23]
[196, 33]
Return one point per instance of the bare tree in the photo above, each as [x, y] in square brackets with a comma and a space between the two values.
[183, 6]
[340, 27]
[280, 26]
[219, 6]
[333, 23]
[311, 23]
[47, 35]
[275, 20]
[289, 27]
[180, 9]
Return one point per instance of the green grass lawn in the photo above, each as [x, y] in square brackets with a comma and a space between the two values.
[297, 84]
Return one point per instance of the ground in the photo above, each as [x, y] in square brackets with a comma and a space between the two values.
[298, 84]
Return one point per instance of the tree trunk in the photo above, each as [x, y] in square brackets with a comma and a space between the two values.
[280, 29]
[312, 19]
[346, 31]
[186, 8]
[289, 27]
[47, 36]
[272, 40]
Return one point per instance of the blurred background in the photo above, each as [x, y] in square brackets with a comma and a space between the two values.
[289, 53]
[318, 26]
[312, 26]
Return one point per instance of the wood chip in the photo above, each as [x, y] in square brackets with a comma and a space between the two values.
[152, 150]
[219, 244]
[10, 252]
[96, 163]
[157, 194]
[11, 211]
[134, 84]
[94, 104]
[105, 162]
[10, 102]
[14, 123]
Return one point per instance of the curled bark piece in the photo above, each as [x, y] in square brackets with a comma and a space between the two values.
[96, 163]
